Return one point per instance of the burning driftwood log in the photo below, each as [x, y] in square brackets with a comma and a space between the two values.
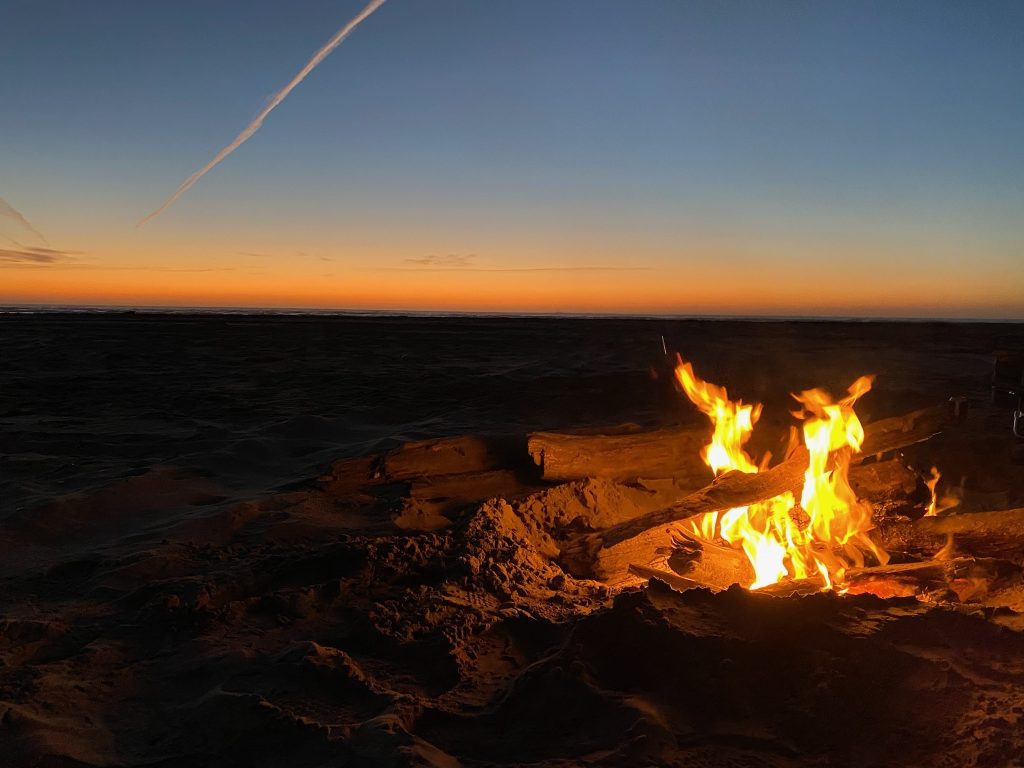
[993, 534]
[964, 579]
[608, 554]
[990, 546]
[662, 453]
[707, 564]
[883, 480]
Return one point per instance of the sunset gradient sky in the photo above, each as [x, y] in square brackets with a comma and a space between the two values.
[663, 156]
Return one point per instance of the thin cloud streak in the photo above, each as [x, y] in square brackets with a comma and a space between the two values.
[8, 210]
[513, 269]
[278, 97]
[163, 269]
[51, 258]
[35, 257]
[446, 260]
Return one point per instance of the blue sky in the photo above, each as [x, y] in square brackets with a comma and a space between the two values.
[884, 139]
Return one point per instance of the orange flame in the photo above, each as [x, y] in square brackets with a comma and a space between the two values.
[823, 535]
[931, 483]
[734, 422]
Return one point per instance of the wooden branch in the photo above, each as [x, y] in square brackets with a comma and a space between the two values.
[861, 580]
[965, 579]
[995, 534]
[900, 431]
[672, 452]
[674, 580]
[883, 480]
[711, 565]
[607, 554]
[968, 579]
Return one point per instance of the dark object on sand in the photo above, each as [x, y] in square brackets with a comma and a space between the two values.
[1008, 386]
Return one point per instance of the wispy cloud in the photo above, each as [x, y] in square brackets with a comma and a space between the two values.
[527, 269]
[175, 269]
[158, 269]
[456, 263]
[298, 254]
[446, 261]
[42, 258]
[276, 99]
[9, 211]
[35, 257]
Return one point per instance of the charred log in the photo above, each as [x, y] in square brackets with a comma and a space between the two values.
[883, 480]
[989, 534]
[963, 579]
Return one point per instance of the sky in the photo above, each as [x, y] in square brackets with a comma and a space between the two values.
[638, 156]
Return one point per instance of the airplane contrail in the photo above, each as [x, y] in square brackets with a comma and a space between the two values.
[278, 97]
[8, 210]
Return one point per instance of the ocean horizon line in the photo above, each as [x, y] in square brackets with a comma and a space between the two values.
[132, 309]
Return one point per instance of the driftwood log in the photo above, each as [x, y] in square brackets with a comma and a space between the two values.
[426, 479]
[882, 481]
[964, 579]
[607, 554]
[992, 534]
[672, 452]
[708, 564]
[439, 457]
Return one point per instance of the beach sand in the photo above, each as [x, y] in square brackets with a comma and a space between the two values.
[209, 554]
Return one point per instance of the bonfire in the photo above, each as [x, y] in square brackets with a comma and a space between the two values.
[794, 527]
[823, 533]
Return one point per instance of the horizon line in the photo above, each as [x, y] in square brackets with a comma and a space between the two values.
[157, 309]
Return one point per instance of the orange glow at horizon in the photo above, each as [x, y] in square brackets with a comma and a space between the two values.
[572, 283]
